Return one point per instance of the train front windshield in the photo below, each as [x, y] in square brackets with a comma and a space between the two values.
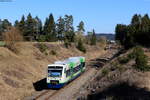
[55, 72]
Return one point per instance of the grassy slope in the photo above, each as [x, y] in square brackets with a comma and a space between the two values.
[117, 81]
[19, 71]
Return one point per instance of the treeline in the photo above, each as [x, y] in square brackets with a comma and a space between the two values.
[136, 33]
[49, 31]
[32, 29]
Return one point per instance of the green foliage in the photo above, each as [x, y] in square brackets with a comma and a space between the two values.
[50, 29]
[30, 26]
[123, 60]
[141, 59]
[69, 29]
[135, 33]
[32, 29]
[42, 38]
[80, 46]
[60, 28]
[105, 71]
[120, 33]
[22, 25]
[38, 26]
[2, 44]
[4, 25]
[53, 52]
[81, 27]
[42, 47]
[131, 55]
[93, 38]
[66, 43]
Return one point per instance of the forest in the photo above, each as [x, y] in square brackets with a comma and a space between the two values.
[136, 33]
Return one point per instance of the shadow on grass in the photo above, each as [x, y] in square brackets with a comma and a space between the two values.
[121, 92]
[40, 85]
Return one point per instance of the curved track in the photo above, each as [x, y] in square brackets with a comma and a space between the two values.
[96, 63]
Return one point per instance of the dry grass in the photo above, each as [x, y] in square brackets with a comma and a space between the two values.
[127, 74]
[30, 65]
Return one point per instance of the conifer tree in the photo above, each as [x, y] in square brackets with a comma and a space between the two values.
[21, 25]
[69, 29]
[60, 28]
[50, 29]
[93, 38]
[38, 26]
[81, 27]
[5, 25]
[30, 28]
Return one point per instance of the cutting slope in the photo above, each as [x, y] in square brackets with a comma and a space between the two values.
[19, 71]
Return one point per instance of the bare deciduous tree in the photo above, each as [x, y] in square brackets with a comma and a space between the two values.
[11, 37]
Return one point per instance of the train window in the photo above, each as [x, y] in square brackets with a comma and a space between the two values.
[76, 69]
[68, 73]
[83, 64]
[54, 73]
[65, 70]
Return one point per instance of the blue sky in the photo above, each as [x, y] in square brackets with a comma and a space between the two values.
[102, 15]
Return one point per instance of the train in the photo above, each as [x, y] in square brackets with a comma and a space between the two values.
[62, 72]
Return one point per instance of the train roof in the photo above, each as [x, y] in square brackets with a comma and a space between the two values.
[71, 61]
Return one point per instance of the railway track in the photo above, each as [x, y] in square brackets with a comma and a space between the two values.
[48, 94]
[54, 92]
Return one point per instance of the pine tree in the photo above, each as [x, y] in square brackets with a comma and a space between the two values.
[45, 29]
[1, 29]
[136, 19]
[69, 29]
[80, 46]
[60, 28]
[81, 27]
[136, 33]
[21, 25]
[121, 31]
[30, 29]
[145, 29]
[38, 27]
[80, 32]
[5, 25]
[50, 29]
[16, 23]
[93, 38]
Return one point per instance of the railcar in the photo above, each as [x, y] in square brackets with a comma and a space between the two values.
[62, 72]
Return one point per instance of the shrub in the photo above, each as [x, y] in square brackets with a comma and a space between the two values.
[104, 72]
[80, 46]
[11, 37]
[43, 47]
[115, 66]
[53, 52]
[123, 60]
[141, 59]
[66, 43]
[42, 38]
[131, 55]
[2, 44]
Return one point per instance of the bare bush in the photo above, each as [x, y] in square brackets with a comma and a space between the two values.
[102, 41]
[11, 37]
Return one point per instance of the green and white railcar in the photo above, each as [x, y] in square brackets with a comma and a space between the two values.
[62, 72]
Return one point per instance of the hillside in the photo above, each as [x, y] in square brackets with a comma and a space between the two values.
[118, 80]
[109, 36]
[19, 71]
